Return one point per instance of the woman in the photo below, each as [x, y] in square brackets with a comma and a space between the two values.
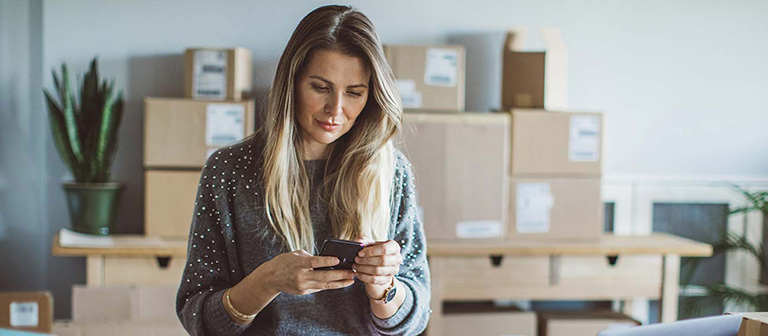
[323, 166]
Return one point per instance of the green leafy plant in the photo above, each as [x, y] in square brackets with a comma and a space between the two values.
[718, 294]
[85, 134]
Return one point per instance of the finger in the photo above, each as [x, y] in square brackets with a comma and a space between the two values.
[374, 270]
[375, 279]
[330, 275]
[380, 248]
[365, 240]
[321, 261]
[338, 284]
[385, 260]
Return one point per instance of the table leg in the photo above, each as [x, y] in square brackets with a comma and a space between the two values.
[436, 266]
[94, 270]
[670, 288]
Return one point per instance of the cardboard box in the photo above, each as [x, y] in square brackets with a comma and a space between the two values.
[182, 133]
[534, 79]
[124, 303]
[556, 143]
[582, 323]
[217, 74]
[169, 198]
[460, 162]
[26, 311]
[555, 208]
[483, 318]
[429, 78]
[753, 324]
[122, 328]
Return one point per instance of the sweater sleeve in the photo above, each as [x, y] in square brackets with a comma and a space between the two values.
[413, 315]
[209, 269]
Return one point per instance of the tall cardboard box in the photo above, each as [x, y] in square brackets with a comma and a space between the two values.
[182, 133]
[217, 74]
[548, 143]
[460, 162]
[546, 208]
[26, 311]
[429, 78]
[483, 318]
[170, 201]
[582, 323]
[534, 79]
[753, 324]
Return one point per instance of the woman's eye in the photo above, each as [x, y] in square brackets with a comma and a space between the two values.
[356, 94]
[320, 88]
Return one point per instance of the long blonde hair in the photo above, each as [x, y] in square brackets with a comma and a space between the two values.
[360, 168]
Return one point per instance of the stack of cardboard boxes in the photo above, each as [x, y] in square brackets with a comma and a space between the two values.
[180, 134]
[531, 172]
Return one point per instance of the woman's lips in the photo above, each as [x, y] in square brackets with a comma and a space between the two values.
[328, 126]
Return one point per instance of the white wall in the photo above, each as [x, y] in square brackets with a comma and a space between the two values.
[682, 83]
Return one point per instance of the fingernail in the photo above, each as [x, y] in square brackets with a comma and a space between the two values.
[362, 254]
[357, 259]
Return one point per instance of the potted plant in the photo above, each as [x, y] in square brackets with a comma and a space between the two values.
[85, 134]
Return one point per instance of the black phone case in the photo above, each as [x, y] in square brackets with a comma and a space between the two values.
[345, 250]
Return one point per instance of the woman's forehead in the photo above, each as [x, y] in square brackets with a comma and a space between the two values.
[337, 68]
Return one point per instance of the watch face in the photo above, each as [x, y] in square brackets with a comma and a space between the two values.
[391, 294]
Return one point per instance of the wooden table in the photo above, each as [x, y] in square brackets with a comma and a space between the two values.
[614, 267]
[131, 256]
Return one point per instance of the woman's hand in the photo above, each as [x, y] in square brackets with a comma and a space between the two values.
[292, 273]
[376, 265]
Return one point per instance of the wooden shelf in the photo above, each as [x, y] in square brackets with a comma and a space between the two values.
[126, 246]
[656, 243]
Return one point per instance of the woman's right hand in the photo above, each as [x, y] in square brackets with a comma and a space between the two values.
[293, 273]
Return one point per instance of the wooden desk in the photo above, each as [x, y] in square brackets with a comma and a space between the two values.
[129, 260]
[615, 267]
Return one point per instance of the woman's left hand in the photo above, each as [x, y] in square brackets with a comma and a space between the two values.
[376, 264]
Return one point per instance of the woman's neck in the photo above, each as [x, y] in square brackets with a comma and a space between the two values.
[315, 150]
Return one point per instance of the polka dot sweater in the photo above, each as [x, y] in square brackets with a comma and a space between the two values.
[230, 237]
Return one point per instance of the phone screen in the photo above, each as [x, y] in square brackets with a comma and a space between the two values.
[345, 250]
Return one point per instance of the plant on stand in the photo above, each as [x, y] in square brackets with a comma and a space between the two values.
[85, 135]
[718, 294]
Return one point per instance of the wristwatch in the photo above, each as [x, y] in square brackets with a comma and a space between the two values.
[389, 293]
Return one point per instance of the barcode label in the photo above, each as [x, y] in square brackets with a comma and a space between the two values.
[209, 79]
[24, 314]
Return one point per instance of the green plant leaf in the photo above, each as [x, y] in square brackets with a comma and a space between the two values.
[58, 130]
[71, 121]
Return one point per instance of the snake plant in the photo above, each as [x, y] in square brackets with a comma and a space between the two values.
[86, 134]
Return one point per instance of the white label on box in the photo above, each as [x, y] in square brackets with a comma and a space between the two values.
[442, 67]
[584, 141]
[534, 202]
[411, 97]
[224, 124]
[478, 229]
[24, 314]
[209, 74]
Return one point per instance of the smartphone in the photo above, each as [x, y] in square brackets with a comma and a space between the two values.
[345, 250]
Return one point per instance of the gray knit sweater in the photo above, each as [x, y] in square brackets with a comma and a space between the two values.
[230, 237]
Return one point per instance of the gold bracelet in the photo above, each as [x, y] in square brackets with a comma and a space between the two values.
[231, 309]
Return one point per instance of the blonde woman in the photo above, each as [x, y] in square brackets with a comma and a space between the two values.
[323, 166]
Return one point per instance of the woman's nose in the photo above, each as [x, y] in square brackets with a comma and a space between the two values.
[334, 106]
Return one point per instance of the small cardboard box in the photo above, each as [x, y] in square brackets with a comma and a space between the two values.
[555, 208]
[483, 318]
[753, 324]
[217, 74]
[534, 79]
[123, 303]
[582, 323]
[460, 162]
[429, 78]
[26, 311]
[170, 202]
[182, 133]
[556, 143]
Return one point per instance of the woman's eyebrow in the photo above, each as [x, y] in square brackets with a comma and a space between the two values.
[331, 83]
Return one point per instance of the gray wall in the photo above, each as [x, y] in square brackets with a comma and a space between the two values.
[682, 85]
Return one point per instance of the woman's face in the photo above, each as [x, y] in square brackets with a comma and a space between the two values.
[330, 94]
